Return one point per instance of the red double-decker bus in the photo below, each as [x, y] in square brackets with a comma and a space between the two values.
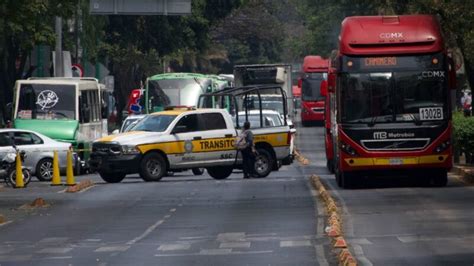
[315, 70]
[392, 104]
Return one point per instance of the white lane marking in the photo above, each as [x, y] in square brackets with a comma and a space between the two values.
[360, 241]
[57, 258]
[173, 247]
[5, 223]
[215, 251]
[54, 250]
[293, 243]
[412, 239]
[235, 245]
[50, 240]
[206, 254]
[167, 216]
[359, 253]
[146, 233]
[93, 240]
[195, 237]
[320, 256]
[172, 210]
[231, 236]
[15, 258]
[112, 249]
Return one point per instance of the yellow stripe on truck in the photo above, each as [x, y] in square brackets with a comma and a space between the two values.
[210, 145]
[428, 159]
[202, 145]
[276, 139]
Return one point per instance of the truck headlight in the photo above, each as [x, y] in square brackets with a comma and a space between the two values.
[130, 149]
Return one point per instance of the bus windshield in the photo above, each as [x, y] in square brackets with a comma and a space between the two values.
[394, 96]
[46, 102]
[155, 123]
[310, 87]
[176, 92]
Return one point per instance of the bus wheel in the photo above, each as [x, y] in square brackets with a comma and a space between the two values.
[337, 174]
[347, 179]
[152, 167]
[263, 163]
[112, 177]
[330, 166]
[219, 172]
[198, 171]
[440, 178]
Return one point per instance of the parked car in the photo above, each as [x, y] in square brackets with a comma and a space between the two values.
[38, 150]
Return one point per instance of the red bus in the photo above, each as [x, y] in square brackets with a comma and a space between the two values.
[315, 70]
[392, 104]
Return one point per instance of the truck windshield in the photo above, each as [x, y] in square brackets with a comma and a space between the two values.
[176, 92]
[46, 101]
[155, 123]
[396, 96]
[310, 87]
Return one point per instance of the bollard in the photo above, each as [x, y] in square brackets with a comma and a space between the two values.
[19, 173]
[69, 170]
[56, 181]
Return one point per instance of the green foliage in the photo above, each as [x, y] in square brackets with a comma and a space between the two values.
[463, 133]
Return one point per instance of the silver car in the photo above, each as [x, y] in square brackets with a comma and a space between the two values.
[39, 151]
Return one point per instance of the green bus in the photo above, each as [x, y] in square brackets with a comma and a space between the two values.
[178, 89]
[72, 110]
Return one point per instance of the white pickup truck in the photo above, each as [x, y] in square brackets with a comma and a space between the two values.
[186, 139]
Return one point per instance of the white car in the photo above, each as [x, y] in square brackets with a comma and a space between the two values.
[38, 150]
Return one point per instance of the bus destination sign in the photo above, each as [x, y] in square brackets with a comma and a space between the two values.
[380, 61]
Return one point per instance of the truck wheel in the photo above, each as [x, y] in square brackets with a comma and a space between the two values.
[263, 163]
[198, 171]
[152, 167]
[219, 172]
[112, 177]
[44, 169]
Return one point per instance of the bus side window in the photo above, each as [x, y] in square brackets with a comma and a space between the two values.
[84, 110]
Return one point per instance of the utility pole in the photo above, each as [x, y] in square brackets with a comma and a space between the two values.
[58, 66]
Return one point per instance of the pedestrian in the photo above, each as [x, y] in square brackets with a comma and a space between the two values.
[245, 145]
[466, 103]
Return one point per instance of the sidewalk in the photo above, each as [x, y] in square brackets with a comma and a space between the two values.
[465, 172]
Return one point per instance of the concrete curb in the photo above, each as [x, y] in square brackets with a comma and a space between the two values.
[80, 186]
[333, 222]
[465, 172]
[300, 158]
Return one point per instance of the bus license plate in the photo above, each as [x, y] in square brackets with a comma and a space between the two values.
[431, 113]
[395, 161]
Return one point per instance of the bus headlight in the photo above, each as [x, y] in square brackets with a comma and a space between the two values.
[442, 147]
[348, 149]
[130, 149]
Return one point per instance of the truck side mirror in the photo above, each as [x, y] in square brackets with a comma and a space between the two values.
[323, 88]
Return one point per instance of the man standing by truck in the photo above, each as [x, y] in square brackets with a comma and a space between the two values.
[246, 146]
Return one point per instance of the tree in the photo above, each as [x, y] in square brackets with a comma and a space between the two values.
[24, 24]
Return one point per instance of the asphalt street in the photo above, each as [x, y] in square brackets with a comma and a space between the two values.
[181, 220]
[399, 221]
[278, 220]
